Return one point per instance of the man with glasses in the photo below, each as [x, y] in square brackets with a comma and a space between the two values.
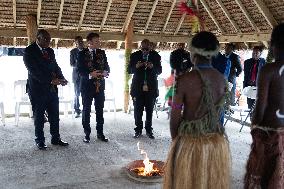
[43, 78]
[145, 65]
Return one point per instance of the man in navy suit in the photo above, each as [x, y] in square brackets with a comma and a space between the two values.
[43, 77]
[252, 67]
[235, 69]
[93, 68]
[75, 74]
[145, 65]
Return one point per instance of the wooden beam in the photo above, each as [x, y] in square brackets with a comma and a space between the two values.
[31, 27]
[266, 13]
[228, 15]
[118, 45]
[56, 43]
[38, 11]
[82, 14]
[169, 15]
[180, 23]
[60, 14]
[129, 15]
[151, 15]
[106, 14]
[247, 15]
[118, 36]
[211, 15]
[15, 12]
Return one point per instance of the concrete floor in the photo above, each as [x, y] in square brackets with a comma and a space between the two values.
[96, 165]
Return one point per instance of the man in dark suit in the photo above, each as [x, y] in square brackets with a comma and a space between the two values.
[252, 67]
[235, 70]
[75, 74]
[145, 65]
[93, 68]
[180, 60]
[43, 78]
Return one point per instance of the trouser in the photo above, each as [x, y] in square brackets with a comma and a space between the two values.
[139, 102]
[48, 102]
[87, 98]
[77, 94]
[233, 92]
[250, 102]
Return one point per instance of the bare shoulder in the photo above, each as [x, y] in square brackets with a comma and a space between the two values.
[189, 79]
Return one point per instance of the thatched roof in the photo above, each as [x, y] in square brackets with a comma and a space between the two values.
[159, 20]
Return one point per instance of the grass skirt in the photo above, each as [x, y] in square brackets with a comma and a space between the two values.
[265, 166]
[202, 162]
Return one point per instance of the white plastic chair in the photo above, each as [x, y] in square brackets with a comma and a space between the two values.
[109, 95]
[160, 101]
[249, 92]
[66, 98]
[21, 98]
[130, 102]
[2, 95]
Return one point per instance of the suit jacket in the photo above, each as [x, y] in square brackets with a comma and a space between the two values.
[139, 73]
[88, 62]
[222, 64]
[236, 67]
[248, 66]
[74, 63]
[180, 60]
[41, 69]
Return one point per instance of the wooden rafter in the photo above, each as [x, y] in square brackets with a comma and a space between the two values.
[14, 41]
[266, 13]
[129, 15]
[38, 11]
[82, 14]
[228, 15]
[169, 15]
[60, 14]
[211, 15]
[180, 23]
[14, 12]
[106, 14]
[118, 36]
[247, 15]
[151, 14]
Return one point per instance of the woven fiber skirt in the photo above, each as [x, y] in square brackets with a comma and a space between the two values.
[198, 163]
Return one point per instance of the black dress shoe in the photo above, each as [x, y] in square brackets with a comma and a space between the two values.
[86, 139]
[150, 135]
[60, 143]
[137, 134]
[77, 115]
[102, 138]
[41, 145]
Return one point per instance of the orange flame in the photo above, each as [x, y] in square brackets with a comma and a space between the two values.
[148, 169]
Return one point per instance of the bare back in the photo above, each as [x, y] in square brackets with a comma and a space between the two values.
[270, 97]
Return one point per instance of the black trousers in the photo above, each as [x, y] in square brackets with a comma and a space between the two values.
[77, 95]
[147, 101]
[250, 102]
[48, 102]
[87, 98]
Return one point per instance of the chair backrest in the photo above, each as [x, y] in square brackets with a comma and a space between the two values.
[64, 92]
[109, 92]
[2, 92]
[20, 90]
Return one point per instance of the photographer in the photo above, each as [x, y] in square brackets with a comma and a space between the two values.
[93, 68]
[145, 65]
[180, 60]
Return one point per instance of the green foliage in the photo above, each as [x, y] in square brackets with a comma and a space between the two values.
[269, 57]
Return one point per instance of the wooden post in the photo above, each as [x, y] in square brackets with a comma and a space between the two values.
[128, 50]
[31, 25]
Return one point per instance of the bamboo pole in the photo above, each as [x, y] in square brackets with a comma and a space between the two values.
[31, 25]
[128, 50]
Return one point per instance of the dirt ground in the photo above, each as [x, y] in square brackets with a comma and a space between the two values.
[96, 165]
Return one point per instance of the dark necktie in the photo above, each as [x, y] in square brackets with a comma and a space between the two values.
[45, 54]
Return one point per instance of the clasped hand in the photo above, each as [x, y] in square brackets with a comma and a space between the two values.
[98, 74]
[57, 81]
[146, 64]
